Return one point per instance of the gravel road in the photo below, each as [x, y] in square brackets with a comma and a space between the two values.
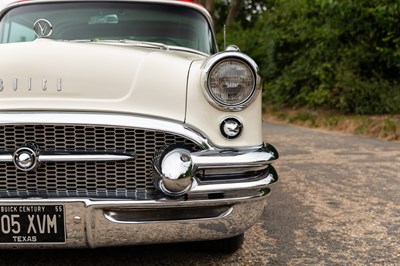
[337, 203]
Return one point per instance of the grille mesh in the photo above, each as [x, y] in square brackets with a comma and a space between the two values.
[95, 179]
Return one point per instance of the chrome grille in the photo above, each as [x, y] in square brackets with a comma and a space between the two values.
[127, 179]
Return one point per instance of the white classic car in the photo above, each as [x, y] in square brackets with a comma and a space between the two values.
[122, 124]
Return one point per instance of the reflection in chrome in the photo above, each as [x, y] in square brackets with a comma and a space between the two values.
[177, 164]
[176, 170]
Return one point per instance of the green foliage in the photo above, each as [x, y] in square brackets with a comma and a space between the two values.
[248, 13]
[389, 128]
[340, 54]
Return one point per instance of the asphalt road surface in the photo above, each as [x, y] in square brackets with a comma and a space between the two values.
[337, 203]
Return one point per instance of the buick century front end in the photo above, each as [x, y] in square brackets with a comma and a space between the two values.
[121, 124]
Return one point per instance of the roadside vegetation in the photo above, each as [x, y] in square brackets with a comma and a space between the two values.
[339, 56]
[385, 127]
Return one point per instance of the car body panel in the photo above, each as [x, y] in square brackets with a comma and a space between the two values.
[130, 81]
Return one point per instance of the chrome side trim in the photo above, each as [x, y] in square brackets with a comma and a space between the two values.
[235, 159]
[203, 188]
[6, 158]
[162, 202]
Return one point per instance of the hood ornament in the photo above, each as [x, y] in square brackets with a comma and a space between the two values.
[42, 28]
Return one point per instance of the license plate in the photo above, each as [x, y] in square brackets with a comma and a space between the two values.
[32, 224]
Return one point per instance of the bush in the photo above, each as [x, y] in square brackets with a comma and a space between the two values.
[338, 54]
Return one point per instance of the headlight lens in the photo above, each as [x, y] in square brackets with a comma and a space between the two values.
[231, 82]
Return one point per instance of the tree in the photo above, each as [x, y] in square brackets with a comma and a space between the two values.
[242, 12]
[229, 12]
[233, 12]
[210, 6]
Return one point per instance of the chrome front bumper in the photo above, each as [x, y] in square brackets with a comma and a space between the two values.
[104, 223]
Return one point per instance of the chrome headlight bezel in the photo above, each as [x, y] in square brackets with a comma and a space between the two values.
[227, 56]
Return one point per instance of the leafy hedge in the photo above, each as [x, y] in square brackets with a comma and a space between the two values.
[338, 54]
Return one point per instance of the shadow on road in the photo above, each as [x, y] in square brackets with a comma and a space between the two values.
[163, 254]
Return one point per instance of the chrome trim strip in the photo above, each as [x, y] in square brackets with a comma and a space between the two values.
[6, 158]
[135, 204]
[70, 156]
[62, 157]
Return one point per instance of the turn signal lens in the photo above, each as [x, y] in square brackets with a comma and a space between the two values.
[231, 128]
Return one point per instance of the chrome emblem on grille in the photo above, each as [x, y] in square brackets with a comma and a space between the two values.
[26, 157]
[42, 28]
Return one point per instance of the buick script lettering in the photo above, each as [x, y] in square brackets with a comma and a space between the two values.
[18, 84]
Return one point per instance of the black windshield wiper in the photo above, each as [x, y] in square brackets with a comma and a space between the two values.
[79, 40]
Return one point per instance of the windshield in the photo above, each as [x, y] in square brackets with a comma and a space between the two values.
[96, 21]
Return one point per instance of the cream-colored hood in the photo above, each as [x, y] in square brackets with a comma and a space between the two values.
[52, 75]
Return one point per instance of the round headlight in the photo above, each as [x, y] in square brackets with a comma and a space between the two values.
[231, 82]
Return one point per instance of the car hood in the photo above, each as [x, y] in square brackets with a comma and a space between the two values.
[54, 75]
